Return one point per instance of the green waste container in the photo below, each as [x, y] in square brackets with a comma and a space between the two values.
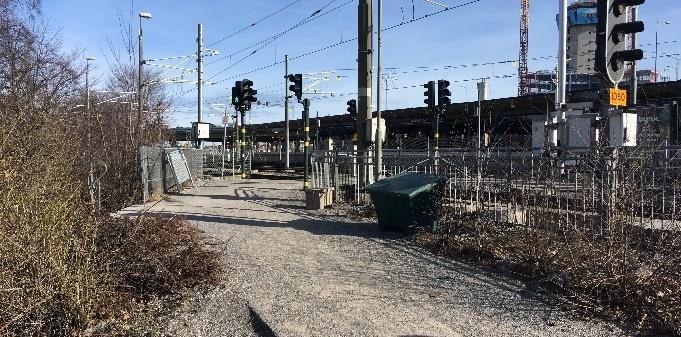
[408, 201]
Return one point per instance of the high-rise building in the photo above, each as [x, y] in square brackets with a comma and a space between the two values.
[581, 45]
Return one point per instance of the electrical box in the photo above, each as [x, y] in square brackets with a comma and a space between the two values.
[580, 131]
[202, 130]
[538, 135]
[623, 129]
[372, 125]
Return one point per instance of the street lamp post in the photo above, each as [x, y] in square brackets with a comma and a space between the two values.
[140, 74]
[657, 24]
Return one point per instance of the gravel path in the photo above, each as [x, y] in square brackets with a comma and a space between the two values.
[297, 273]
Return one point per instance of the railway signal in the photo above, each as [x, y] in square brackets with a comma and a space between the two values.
[236, 95]
[443, 93]
[297, 85]
[248, 94]
[430, 95]
[352, 108]
[613, 26]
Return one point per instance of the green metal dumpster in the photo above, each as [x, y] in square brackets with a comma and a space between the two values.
[408, 201]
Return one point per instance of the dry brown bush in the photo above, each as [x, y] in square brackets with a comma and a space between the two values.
[63, 262]
[156, 256]
[634, 281]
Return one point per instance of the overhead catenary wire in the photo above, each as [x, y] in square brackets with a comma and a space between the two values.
[420, 69]
[350, 40]
[264, 18]
[312, 17]
[267, 41]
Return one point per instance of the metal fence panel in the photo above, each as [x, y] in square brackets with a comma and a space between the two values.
[589, 188]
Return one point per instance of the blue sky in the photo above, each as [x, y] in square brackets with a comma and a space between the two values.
[485, 31]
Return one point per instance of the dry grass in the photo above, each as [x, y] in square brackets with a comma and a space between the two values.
[156, 256]
[617, 279]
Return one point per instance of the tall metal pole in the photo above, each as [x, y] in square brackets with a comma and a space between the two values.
[225, 120]
[287, 138]
[482, 95]
[243, 143]
[306, 130]
[140, 75]
[364, 80]
[634, 79]
[562, 52]
[199, 60]
[657, 24]
[379, 143]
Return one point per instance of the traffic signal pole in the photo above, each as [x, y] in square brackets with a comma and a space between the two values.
[306, 130]
[287, 163]
[436, 138]
[443, 100]
[243, 142]
[199, 83]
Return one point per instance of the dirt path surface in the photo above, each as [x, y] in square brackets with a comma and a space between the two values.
[297, 273]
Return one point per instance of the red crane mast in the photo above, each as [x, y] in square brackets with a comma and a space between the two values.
[523, 78]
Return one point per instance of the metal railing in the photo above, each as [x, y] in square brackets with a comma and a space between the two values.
[593, 187]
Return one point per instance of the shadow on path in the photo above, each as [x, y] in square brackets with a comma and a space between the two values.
[259, 326]
[312, 225]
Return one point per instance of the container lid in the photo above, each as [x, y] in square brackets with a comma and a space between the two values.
[405, 184]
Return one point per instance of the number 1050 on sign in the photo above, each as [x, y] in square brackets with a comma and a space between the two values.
[618, 97]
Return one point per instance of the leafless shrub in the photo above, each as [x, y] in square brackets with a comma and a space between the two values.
[63, 261]
[156, 256]
[602, 247]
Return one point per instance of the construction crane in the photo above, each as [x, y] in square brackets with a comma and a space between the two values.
[523, 78]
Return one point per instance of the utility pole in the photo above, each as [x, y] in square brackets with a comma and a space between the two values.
[140, 71]
[286, 116]
[379, 142]
[364, 79]
[199, 60]
[140, 75]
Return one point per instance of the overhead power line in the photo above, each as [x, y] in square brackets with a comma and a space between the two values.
[310, 18]
[264, 18]
[347, 41]
[267, 41]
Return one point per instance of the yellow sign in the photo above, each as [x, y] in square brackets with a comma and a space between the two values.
[618, 97]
